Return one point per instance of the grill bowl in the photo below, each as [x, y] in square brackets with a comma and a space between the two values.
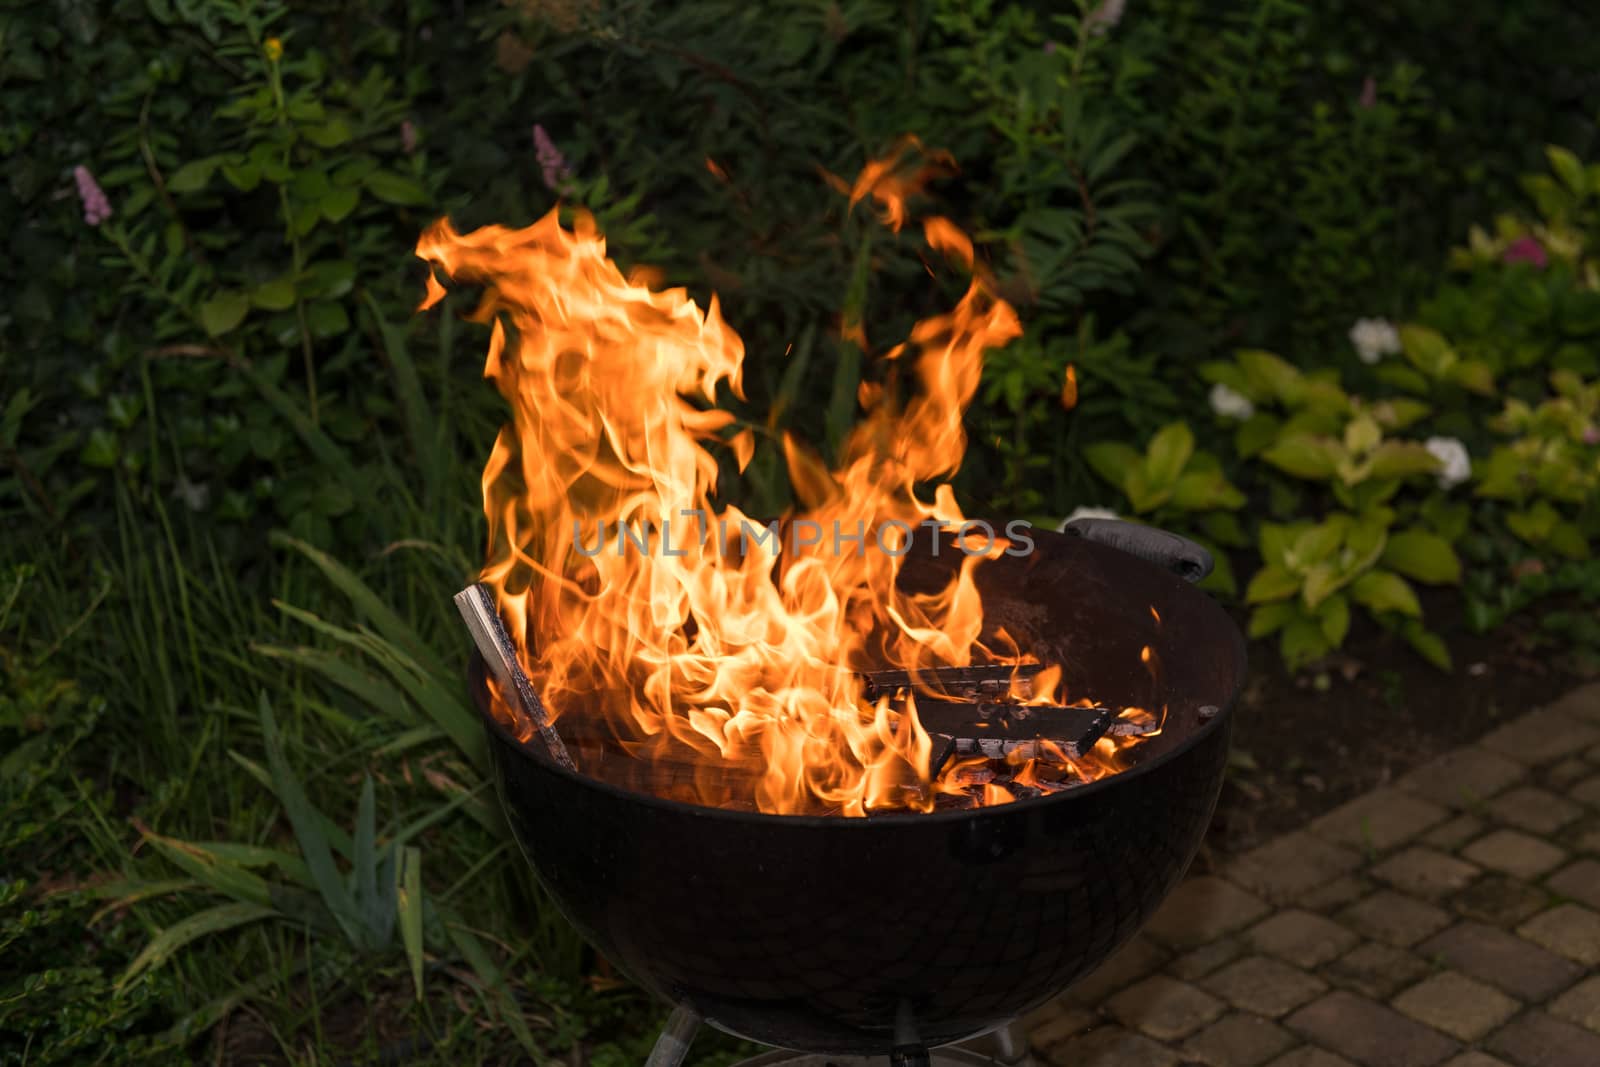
[822, 934]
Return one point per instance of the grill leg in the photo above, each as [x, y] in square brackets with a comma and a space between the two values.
[909, 1056]
[672, 1047]
[1011, 1044]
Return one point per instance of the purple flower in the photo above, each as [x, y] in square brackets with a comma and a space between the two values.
[1050, 48]
[1369, 92]
[1526, 249]
[1105, 16]
[96, 208]
[552, 164]
[408, 137]
[1591, 435]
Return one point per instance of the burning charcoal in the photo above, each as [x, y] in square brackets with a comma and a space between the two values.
[994, 730]
[991, 680]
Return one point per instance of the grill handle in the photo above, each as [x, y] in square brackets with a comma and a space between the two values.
[1177, 554]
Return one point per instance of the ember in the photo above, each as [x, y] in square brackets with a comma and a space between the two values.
[789, 677]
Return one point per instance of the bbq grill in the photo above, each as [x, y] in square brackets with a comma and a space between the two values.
[898, 933]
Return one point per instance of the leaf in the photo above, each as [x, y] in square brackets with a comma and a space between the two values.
[305, 820]
[1426, 349]
[1381, 591]
[1402, 459]
[1534, 524]
[1425, 556]
[408, 903]
[1568, 169]
[211, 921]
[1314, 458]
[1567, 539]
[224, 311]
[1270, 375]
[1301, 642]
[392, 188]
[1334, 619]
[230, 879]
[1402, 377]
[327, 318]
[1400, 412]
[364, 841]
[243, 175]
[1473, 375]
[1223, 527]
[1168, 453]
[192, 176]
[1362, 434]
[1271, 582]
[1320, 582]
[1112, 460]
[1205, 491]
[1268, 619]
[275, 295]
[1429, 645]
[1255, 434]
[330, 134]
[338, 202]
[477, 957]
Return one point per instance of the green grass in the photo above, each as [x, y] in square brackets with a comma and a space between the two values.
[239, 867]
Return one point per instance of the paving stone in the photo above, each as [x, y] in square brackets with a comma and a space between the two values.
[1475, 1059]
[1569, 930]
[1164, 1008]
[1300, 938]
[1110, 1046]
[1542, 737]
[1292, 865]
[1310, 1056]
[1370, 1033]
[1537, 1040]
[1535, 810]
[1264, 986]
[1572, 769]
[1463, 778]
[1202, 909]
[1336, 893]
[1425, 872]
[1581, 703]
[1375, 970]
[1206, 959]
[1127, 965]
[1588, 791]
[1379, 820]
[1580, 1004]
[1238, 1040]
[1460, 1006]
[1389, 916]
[1057, 1021]
[1515, 853]
[1518, 967]
[1455, 833]
[1579, 880]
[1499, 900]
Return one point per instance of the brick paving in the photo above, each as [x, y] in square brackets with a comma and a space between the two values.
[1450, 919]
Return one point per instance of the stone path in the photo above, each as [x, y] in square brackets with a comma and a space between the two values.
[1452, 918]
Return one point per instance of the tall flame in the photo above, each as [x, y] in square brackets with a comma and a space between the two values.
[693, 636]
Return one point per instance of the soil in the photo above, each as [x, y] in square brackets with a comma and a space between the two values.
[1303, 745]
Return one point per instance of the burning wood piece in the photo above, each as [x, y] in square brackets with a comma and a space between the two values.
[476, 604]
[1032, 731]
[993, 680]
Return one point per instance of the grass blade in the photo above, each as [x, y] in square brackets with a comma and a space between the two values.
[365, 860]
[308, 831]
[371, 606]
[219, 874]
[505, 1003]
[211, 921]
[408, 902]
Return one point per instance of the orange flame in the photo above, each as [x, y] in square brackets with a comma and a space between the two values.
[693, 637]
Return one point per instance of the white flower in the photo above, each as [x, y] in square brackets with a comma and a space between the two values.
[1455, 466]
[1374, 339]
[1105, 16]
[1086, 513]
[1230, 403]
[195, 497]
